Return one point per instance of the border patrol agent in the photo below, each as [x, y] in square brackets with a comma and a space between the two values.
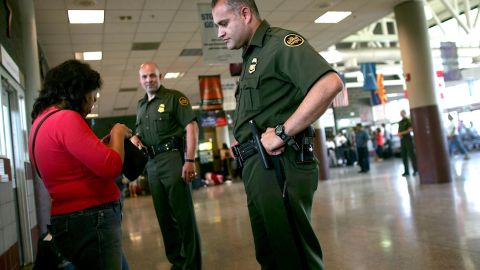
[163, 117]
[407, 148]
[285, 86]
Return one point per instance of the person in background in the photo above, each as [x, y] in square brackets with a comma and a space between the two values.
[226, 160]
[379, 144]
[406, 143]
[284, 87]
[361, 140]
[341, 143]
[454, 139]
[78, 169]
[165, 120]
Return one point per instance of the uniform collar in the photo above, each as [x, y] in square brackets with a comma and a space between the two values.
[258, 37]
[159, 91]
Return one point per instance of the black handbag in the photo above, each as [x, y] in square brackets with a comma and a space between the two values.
[134, 162]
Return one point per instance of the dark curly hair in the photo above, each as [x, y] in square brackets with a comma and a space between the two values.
[66, 85]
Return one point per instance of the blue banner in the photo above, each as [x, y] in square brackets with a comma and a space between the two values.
[369, 76]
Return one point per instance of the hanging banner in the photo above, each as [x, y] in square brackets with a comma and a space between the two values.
[379, 96]
[214, 49]
[369, 76]
[448, 52]
[211, 96]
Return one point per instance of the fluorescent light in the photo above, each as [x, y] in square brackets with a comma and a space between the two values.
[86, 16]
[92, 115]
[173, 75]
[98, 95]
[333, 16]
[89, 56]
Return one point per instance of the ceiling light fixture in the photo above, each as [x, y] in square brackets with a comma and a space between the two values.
[86, 16]
[89, 56]
[333, 16]
[173, 75]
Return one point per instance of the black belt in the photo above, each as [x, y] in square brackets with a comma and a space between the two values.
[243, 151]
[162, 148]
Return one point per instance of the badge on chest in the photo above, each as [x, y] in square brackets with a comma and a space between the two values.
[253, 66]
[161, 108]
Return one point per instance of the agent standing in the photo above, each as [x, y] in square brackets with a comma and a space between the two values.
[406, 143]
[285, 86]
[164, 118]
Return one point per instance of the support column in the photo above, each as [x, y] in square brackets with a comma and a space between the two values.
[32, 86]
[430, 139]
[321, 151]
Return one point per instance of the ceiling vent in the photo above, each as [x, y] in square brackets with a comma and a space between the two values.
[191, 52]
[120, 109]
[145, 46]
[85, 3]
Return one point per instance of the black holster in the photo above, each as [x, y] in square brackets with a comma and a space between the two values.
[305, 140]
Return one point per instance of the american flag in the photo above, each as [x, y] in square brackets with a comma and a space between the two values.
[341, 100]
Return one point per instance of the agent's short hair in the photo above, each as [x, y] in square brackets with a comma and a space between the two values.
[236, 4]
[67, 84]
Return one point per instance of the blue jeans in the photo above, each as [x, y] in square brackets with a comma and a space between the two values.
[91, 238]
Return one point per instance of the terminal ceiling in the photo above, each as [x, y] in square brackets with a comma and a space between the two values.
[175, 25]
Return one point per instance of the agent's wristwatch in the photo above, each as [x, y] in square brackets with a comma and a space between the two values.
[280, 132]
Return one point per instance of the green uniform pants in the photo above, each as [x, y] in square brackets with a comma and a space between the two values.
[407, 150]
[275, 245]
[173, 204]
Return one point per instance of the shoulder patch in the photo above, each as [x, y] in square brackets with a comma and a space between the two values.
[293, 40]
[183, 101]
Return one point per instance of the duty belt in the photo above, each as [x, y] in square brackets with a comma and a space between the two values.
[243, 151]
[172, 145]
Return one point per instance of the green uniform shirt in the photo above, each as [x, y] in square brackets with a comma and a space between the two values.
[163, 117]
[403, 125]
[279, 68]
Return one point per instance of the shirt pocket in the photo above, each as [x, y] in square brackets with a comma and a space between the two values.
[162, 122]
[249, 97]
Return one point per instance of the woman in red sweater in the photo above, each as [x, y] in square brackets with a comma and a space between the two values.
[78, 169]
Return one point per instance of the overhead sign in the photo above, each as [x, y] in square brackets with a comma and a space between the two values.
[214, 49]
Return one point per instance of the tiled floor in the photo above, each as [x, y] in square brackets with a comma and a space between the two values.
[370, 221]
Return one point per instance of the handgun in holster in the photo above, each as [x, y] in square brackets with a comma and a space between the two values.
[305, 140]
[245, 150]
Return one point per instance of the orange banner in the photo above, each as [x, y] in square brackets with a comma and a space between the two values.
[211, 96]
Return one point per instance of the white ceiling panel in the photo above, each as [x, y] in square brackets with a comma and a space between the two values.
[119, 38]
[51, 16]
[116, 28]
[52, 28]
[158, 16]
[54, 39]
[123, 16]
[149, 37]
[164, 5]
[87, 38]
[152, 27]
[187, 16]
[100, 4]
[86, 28]
[49, 4]
[182, 27]
[124, 4]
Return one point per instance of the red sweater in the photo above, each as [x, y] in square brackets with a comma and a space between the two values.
[77, 168]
